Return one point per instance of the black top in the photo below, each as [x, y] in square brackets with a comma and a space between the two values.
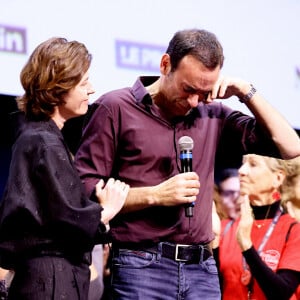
[44, 206]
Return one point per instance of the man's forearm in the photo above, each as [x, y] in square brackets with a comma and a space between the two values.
[284, 136]
[138, 199]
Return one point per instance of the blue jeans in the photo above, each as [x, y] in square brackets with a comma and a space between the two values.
[144, 275]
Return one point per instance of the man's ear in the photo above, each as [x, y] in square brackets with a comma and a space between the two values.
[165, 64]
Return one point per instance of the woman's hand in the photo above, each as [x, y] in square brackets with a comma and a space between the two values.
[245, 224]
[112, 197]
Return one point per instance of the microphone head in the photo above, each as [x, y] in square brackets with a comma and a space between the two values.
[186, 143]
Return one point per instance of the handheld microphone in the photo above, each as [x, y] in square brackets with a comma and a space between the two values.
[186, 145]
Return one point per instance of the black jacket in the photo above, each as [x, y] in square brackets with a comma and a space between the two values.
[44, 206]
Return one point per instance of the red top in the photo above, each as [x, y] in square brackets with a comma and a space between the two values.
[277, 254]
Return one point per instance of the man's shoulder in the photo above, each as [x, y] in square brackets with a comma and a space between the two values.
[135, 93]
[114, 95]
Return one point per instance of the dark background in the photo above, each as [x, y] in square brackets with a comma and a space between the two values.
[71, 132]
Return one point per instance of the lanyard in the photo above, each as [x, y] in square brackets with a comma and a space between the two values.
[246, 276]
[270, 230]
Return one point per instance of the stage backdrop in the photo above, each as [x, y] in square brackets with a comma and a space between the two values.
[261, 40]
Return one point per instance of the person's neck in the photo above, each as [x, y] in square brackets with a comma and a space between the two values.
[154, 88]
[59, 121]
[297, 213]
[265, 211]
[295, 209]
[159, 99]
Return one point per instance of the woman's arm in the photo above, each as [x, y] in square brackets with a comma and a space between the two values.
[280, 285]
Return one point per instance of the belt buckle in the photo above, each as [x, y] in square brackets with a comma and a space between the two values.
[176, 252]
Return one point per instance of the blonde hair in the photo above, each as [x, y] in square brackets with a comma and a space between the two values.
[287, 189]
[54, 68]
[276, 164]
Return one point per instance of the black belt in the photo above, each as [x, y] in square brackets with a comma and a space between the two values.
[186, 253]
[192, 254]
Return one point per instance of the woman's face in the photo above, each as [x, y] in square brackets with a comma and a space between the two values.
[257, 180]
[229, 194]
[77, 99]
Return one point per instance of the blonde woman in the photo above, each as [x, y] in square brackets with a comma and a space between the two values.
[259, 252]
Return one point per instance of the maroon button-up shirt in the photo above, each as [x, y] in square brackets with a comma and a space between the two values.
[126, 138]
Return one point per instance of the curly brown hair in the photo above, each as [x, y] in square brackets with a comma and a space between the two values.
[54, 68]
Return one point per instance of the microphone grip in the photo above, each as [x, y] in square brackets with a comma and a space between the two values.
[186, 166]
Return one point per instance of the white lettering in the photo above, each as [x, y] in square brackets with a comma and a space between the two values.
[12, 39]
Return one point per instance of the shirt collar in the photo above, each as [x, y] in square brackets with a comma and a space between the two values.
[139, 91]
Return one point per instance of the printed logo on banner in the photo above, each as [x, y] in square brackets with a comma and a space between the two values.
[13, 39]
[138, 56]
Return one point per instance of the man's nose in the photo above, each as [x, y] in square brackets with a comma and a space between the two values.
[193, 100]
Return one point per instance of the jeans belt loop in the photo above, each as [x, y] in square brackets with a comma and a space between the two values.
[202, 252]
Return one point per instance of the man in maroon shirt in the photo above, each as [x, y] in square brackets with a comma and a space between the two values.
[132, 135]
